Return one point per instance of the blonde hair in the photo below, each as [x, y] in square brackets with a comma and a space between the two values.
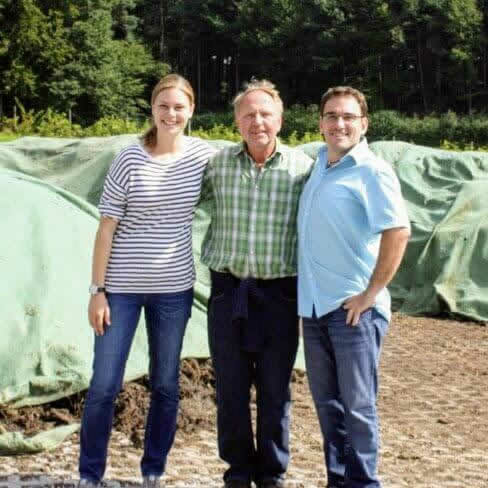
[169, 81]
[342, 91]
[262, 85]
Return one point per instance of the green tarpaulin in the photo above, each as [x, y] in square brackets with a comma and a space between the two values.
[48, 192]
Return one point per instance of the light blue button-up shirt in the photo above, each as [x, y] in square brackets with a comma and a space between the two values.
[343, 210]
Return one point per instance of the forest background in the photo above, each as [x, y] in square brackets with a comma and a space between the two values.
[73, 64]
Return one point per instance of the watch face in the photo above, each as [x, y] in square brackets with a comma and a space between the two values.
[93, 289]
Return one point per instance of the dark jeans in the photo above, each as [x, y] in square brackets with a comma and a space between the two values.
[166, 317]
[269, 369]
[342, 368]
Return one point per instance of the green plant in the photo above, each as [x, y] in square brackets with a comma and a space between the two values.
[112, 126]
[7, 136]
[53, 124]
[218, 132]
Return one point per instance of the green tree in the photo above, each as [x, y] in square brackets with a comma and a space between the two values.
[33, 44]
[440, 38]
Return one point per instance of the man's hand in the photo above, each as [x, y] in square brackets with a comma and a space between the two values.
[356, 305]
[99, 313]
[392, 246]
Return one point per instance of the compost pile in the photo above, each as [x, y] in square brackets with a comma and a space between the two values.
[197, 406]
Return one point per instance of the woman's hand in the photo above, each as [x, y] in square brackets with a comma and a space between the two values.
[99, 313]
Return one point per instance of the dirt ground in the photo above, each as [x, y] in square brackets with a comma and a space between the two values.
[433, 405]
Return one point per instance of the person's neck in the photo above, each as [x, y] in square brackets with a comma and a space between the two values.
[334, 158]
[260, 156]
[167, 146]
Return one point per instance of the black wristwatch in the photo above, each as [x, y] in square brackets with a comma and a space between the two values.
[95, 289]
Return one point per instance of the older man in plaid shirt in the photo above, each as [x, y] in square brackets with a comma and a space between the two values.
[251, 250]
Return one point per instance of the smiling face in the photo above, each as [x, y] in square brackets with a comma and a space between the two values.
[171, 110]
[258, 119]
[342, 125]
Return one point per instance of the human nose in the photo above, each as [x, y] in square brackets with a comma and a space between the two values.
[258, 118]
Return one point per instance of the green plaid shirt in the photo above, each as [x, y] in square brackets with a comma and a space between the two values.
[253, 228]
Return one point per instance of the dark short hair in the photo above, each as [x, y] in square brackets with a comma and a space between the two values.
[341, 91]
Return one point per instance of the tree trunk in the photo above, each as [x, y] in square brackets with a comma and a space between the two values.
[484, 65]
[468, 90]
[236, 72]
[421, 72]
[380, 83]
[438, 82]
[199, 76]
[162, 43]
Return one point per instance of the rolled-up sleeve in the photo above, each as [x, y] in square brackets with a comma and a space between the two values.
[113, 201]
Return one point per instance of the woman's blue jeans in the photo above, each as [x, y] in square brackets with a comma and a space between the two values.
[166, 317]
[342, 368]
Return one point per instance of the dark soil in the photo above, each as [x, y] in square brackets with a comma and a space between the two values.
[197, 405]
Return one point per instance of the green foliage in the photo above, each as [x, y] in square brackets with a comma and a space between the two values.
[80, 55]
[453, 146]
[218, 131]
[112, 126]
[207, 120]
[107, 76]
[300, 120]
[53, 124]
[7, 136]
[294, 140]
[448, 131]
[102, 57]
[45, 123]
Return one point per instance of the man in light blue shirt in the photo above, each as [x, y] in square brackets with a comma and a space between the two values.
[353, 229]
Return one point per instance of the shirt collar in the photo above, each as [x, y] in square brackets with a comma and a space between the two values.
[241, 148]
[354, 156]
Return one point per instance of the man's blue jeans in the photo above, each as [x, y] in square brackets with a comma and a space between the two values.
[166, 317]
[342, 368]
[274, 319]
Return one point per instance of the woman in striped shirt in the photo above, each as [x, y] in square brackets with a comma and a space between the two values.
[143, 259]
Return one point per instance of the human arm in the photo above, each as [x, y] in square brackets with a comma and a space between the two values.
[98, 308]
[392, 247]
[206, 191]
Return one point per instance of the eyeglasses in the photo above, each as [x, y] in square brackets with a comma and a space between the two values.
[331, 117]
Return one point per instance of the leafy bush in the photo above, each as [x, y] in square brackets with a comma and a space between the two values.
[218, 131]
[47, 123]
[208, 120]
[112, 126]
[300, 119]
[53, 124]
[453, 146]
[300, 126]
[7, 136]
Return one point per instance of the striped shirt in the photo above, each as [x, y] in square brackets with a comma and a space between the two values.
[154, 201]
[253, 229]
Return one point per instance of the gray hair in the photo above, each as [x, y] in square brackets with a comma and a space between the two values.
[262, 85]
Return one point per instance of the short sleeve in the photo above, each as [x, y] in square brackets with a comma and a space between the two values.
[113, 201]
[385, 205]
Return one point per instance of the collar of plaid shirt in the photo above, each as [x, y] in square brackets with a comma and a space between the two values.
[253, 213]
